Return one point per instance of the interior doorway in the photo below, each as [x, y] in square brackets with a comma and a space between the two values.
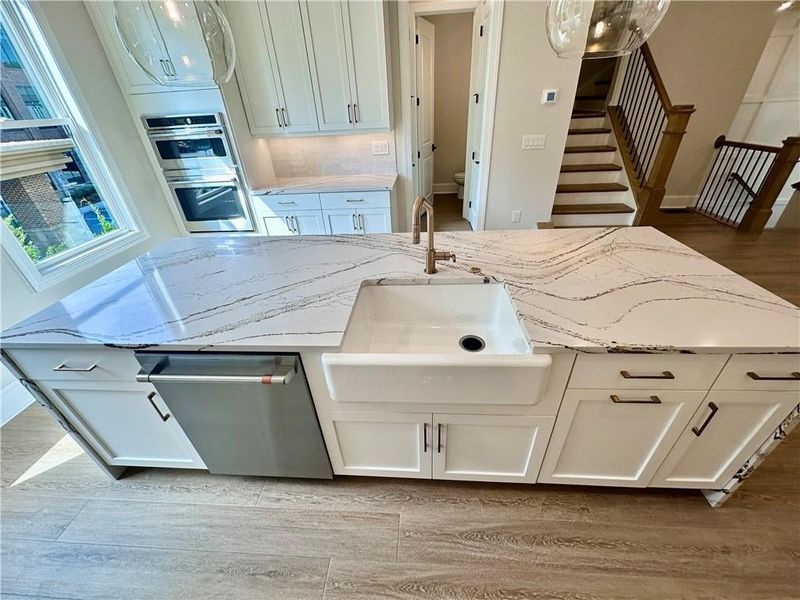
[452, 63]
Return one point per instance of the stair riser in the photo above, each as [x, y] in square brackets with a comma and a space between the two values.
[593, 139]
[591, 177]
[586, 123]
[595, 220]
[595, 198]
[588, 158]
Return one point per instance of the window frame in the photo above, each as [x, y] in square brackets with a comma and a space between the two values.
[60, 95]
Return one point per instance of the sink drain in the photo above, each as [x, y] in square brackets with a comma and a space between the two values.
[472, 343]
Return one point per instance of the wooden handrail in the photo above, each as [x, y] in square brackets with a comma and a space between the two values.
[722, 141]
[663, 96]
[759, 212]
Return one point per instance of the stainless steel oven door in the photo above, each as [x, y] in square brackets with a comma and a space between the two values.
[211, 204]
[192, 149]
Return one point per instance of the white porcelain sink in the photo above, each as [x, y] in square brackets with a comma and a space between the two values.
[458, 343]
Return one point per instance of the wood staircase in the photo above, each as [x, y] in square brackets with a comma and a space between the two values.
[593, 188]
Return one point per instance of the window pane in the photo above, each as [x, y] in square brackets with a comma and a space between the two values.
[47, 197]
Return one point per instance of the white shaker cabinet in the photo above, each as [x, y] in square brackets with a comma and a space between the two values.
[272, 67]
[725, 431]
[613, 437]
[301, 222]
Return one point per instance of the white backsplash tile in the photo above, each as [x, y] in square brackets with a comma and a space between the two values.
[331, 155]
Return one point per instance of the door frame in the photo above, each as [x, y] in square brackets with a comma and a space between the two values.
[406, 128]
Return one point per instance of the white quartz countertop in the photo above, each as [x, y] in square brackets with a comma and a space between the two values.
[329, 183]
[593, 290]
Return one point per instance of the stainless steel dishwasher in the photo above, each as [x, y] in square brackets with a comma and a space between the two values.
[245, 414]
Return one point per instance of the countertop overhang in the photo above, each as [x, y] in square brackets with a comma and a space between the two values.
[630, 289]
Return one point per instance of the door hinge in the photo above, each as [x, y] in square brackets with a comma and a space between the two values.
[417, 101]
[416, 39]
[480, 34]
[418, 154]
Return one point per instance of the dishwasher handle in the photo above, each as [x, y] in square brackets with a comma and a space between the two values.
[284, 378]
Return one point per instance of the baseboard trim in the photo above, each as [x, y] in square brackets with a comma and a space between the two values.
[678, 201]
[445, 188]
[13, 400]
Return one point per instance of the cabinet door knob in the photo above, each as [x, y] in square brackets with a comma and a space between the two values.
[150, 397]
[699, 431]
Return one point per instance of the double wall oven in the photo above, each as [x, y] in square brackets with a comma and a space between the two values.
[194, 152]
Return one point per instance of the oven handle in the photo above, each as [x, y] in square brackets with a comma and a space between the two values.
[284, 378]
[177, 134]
[202, 181]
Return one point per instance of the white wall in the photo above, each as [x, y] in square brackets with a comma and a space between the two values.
[74, 40]
[526, 180]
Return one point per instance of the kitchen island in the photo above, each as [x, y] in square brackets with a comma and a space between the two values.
[625, 313]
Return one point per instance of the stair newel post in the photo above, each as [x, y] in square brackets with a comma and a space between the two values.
[760, 210]
[655, 187]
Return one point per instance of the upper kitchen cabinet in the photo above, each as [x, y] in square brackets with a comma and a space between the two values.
[347, 49]
[272, 68]
[172, 63]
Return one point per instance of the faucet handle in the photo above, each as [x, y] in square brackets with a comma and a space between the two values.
[452, 256]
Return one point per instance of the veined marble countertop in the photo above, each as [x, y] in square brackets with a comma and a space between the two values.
[330, 183]
[592, 290]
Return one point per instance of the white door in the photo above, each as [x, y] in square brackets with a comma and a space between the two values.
[379, 444]
[725, 431]
[327, 53]
[127, 423]
[489, 447]
[424, 92]
[284, 26]
[367, 63]
[279, 224]
[261, 95]
[611, 437]
[472, 161]
[342, 221]
[377, 220]
[309, 222]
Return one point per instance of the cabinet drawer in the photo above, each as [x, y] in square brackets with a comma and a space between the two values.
[277, 202]
[763, 372]
[63, 364]
[355, 200]
[646, 371]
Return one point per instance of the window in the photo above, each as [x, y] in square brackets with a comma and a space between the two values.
[58, 200]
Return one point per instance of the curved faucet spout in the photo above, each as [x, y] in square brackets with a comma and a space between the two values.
[431, 255]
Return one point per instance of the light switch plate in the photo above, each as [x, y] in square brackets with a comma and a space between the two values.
[533, 142]
[550, 96]
[515, 216]
[380, 148]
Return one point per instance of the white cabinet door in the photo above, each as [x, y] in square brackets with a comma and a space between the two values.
[342, 222]
[377, 220]
[489, 447]
[379, 444]
[127, 423]
[284, 29]
[260, 92]
[366, 45]
[612, 437]
[725, 431]
[325, 40]
[185, 45]
[279, 225]
[309, 222]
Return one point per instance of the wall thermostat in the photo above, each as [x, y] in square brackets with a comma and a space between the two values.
[549, 96]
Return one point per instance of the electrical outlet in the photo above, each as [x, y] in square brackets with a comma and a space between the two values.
[515, 216]
[533, 142]
[380, 148]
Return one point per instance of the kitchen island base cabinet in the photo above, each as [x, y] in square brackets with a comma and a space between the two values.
[725, 431]
[302, 222]
[127, 423]
[613, 438]
[441, 446]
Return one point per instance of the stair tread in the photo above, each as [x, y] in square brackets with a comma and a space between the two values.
[588, 114]
[584, 168]
[579, 149]
[591, 209]
[579, 188]
[589, 131]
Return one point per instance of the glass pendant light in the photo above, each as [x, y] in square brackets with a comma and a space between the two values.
[177, 42]
[603, 28]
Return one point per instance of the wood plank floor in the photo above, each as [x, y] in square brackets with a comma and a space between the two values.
[67, 531]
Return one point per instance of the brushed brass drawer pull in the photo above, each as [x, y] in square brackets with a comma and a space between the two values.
[699, 431]
[651, 400]
[663, 375]
[794, 376]
[63, 367]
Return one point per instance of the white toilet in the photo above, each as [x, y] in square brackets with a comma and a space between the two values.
[459, 179]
